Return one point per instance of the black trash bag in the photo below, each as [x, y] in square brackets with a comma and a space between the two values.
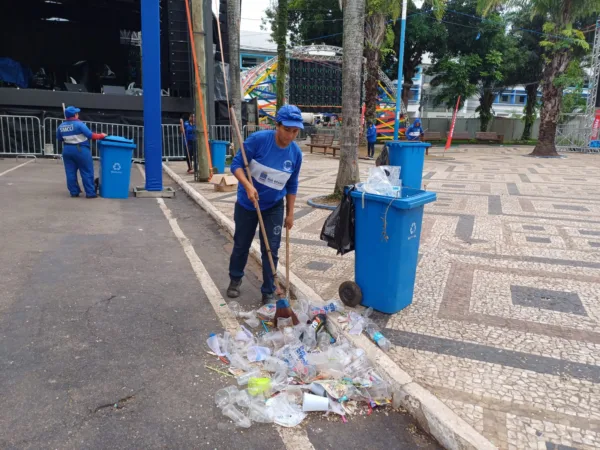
[338, 229]
[384, 157]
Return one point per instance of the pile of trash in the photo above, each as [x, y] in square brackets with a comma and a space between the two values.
[293, 365]
[382, 180]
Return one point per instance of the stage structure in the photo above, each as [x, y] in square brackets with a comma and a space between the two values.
[314, 83]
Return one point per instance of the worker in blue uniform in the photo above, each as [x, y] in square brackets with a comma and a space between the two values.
[190, 136]
[77, 155]
[274, 160]
[414, 132]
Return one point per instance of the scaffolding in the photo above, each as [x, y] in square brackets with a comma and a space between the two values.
[260, 83]
[575, 133]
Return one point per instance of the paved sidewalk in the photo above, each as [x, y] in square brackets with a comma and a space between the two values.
[504, 324]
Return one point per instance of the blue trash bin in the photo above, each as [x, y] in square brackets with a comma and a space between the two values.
[115, 166]
[411, 157]
[218, 152]
[387, 236]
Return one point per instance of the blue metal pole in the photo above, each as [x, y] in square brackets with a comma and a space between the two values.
[152, 94]
[400, 64]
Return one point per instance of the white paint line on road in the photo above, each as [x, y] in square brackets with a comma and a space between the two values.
[16, 167]
[293, 439]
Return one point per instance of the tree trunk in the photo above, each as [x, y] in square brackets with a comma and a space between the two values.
[282, 25]
[551, 103]
[530, 107]
[371, 82]
[409, 73]
[233, 25]
[354, 19]
[486, 100]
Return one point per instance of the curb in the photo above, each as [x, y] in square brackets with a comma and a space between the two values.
[314, 204]
[450, 430]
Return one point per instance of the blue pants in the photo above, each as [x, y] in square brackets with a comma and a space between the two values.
[79, 159]
[370, 149]
[245, 229]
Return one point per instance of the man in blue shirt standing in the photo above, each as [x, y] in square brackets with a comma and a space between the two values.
[77, 154]
[274, 160]
[190, 136]
[371, 139]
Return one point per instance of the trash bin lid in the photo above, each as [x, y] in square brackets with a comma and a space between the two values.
[212, 141]
[118, 142]
[411, 198]
[408, 144]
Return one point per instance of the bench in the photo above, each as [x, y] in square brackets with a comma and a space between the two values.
[461, 136]
[489, 136]
[432, 136]
[323, 141]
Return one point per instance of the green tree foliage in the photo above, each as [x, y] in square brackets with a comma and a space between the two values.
[562, 42]
[487, 52]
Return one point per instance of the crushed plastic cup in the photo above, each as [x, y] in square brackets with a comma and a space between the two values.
[252, 322]
[256, 353]
[317, 389]
[243, 399]
[244, 335]
[225, 396]
[238, 362]
[235, 308]
[283, 412]
[283, 323]
[238, 418]
[214, 344]
[272, 364]
[259, 413]
[245, 377]
[274, 339]
[257, 386]
[313, 402]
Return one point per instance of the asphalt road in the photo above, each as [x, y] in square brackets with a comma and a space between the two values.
[103, 326]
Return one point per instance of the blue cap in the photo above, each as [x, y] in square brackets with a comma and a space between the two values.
[290, 116]
[70, 111]
[283, 303]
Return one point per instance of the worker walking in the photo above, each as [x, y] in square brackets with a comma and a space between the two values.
[190, 136]
[77, 155]
[371, 139]
[274, 160]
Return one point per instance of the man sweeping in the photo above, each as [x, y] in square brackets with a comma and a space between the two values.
[274, 160]
[77, 155]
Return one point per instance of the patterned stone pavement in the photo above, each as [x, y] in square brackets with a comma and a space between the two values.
[504, 325]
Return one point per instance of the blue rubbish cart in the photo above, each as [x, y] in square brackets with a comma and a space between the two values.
[218, 152]
[387, 236]
[115, 166]
[410, 156]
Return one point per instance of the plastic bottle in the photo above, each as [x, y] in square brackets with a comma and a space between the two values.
[378, 338]
[213, 344]
[329, 307]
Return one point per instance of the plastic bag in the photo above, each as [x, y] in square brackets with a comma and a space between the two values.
[383, 180]
[338, 229]
[384, 157]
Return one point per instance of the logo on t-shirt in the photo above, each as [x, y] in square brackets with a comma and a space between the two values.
[262, 176]
[288, 166]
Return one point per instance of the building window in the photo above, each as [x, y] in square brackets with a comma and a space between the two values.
[505, 98]
[251, 61]
[522, 99]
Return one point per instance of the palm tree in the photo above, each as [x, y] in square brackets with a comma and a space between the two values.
[560, 42]
[354, 20]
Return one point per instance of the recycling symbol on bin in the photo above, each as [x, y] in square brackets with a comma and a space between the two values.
[413, 228]
[116, 167]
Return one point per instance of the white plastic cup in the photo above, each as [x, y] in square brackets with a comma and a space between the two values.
[256, 353]
[315, 403]
[225, 396]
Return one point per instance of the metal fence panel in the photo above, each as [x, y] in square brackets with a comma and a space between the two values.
[220, 133]
[20, 135]
[249, 129]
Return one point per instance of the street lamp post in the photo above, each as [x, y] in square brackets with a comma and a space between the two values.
[400, 64]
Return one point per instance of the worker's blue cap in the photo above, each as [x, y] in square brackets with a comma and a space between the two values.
[290, 116]
[70, 111]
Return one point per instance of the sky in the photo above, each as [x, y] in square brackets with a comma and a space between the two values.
[252, 13]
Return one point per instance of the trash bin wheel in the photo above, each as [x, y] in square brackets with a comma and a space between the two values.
[350, 293]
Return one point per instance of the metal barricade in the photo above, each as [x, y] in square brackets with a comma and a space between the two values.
[574, 138]
[220, 133]
[249, 129]
[173, 143]
[20, 135]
